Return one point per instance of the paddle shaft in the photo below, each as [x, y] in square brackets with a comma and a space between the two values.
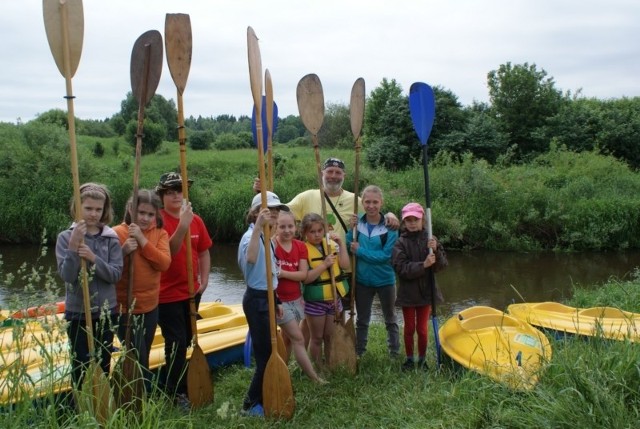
[64, 17]
[356, 116]
[269, 111]
[316, 151]
[356, 178]
[432, 277]
[136, 180]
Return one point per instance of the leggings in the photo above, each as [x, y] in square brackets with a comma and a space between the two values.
[415, 320]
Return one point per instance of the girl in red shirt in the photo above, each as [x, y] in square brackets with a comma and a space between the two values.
[292, 257]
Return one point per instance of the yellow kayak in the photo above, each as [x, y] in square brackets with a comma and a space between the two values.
[606, 322]
[492, 343]
[37, 363]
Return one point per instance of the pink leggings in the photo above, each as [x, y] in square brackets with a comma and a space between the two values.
[415, 320]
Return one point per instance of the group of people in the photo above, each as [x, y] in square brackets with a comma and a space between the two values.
[151, 240]
[306, 267]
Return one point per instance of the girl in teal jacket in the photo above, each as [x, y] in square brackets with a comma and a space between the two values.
[374, 273]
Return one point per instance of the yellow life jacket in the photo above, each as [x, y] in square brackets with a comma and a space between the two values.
[321, 289]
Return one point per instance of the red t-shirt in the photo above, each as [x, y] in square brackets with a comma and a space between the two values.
[289, 290]
[173, 282]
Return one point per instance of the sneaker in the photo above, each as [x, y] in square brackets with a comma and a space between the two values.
[408, 365]
[181, 401]
[255, 411]
[422, 365]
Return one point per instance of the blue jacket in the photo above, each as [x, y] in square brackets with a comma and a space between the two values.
[373, 258]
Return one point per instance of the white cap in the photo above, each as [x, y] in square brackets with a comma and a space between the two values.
[272, 201]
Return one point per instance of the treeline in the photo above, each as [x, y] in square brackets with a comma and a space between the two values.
[526, 114]
[560, 200]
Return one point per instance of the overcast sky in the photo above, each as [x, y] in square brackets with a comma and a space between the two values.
[591, 45]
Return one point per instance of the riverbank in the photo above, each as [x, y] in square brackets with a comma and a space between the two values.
[561, 200]
[588, 383]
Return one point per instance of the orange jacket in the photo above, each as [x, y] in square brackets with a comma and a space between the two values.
[148, 263]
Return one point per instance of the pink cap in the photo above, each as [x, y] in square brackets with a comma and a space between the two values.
[412, 209]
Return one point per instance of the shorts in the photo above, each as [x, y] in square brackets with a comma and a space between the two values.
[321, 308]
[293, 310]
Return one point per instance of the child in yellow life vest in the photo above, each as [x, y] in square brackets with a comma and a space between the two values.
[320, 306]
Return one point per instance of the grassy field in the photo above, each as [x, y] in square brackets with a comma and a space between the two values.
[588, 383]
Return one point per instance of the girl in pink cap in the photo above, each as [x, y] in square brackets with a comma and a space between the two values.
[412, 260]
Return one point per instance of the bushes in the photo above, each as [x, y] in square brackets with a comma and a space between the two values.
[561, 200]
[153, 133]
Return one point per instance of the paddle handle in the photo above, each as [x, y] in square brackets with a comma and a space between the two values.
[182, 140]
[316, 151]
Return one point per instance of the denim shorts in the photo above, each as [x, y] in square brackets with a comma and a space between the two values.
[321, 308]
[293, 310]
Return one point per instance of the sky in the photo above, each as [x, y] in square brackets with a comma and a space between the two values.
[590, 46]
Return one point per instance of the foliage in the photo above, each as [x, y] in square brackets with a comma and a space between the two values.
[35, 180]
[200, 140]
[95, 128]
[388, 124]
[56, 117]
[480, 136]
[228, 141]
[450, 118]
[159, 110]
[522, 99]
[289, 129]
[387, 153]
[98, 150]
[220, 124]
[336, 128]
[153, 134]
[561, 200]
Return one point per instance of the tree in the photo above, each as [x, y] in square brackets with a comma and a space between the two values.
[388, 122]
[576, 125]
[153, 135]
[480, 137]
[54, 117]
[336, 128]
[620, 131]
[522, 99]
[289, 129]
[200, 140]
[160, 111]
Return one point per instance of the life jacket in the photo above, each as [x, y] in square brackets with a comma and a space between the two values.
[321, 289]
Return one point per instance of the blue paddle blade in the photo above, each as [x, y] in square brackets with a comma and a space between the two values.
[422, 105]
[265, 131]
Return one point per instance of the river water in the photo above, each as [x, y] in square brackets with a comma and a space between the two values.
[488, 278]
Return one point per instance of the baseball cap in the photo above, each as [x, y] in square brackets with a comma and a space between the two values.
[273, 201]
[412, 209]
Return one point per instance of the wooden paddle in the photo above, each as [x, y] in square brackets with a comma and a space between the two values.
[310, 99]
[145, 71]
[64, 25]
[356, 115]
[277, 392]
[179, 45]
[282, 349]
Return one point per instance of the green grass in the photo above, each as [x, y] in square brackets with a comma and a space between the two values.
[589, 382]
